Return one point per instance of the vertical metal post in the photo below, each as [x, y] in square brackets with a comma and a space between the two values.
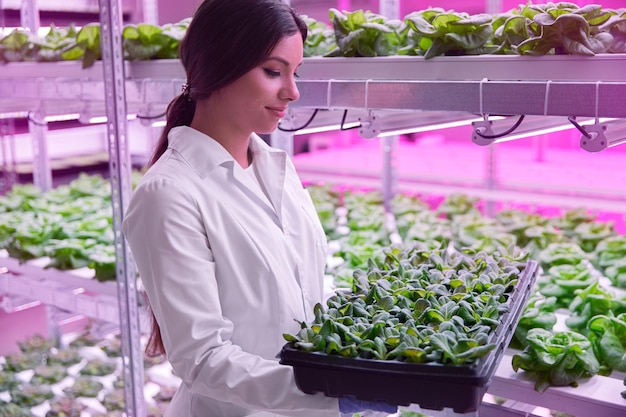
[491, 182]
[391, 10]
[42, 173]
[493, 6]
[5, 184]
[344, 5]
[29, 15]
[7, 139]
[120, 170]
[150, 11]
[52, 323]
[389, 178]
[539, 147]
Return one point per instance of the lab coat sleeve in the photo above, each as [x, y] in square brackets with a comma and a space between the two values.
[164, 229]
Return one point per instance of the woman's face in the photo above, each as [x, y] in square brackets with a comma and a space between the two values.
[258, 100]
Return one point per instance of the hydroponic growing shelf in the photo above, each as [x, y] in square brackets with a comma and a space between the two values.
[551, 86]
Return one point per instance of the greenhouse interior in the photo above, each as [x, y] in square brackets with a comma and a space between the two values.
[470, 148]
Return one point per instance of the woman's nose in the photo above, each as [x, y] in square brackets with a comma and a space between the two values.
[291, 92]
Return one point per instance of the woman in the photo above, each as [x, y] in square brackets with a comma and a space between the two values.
[227, 242]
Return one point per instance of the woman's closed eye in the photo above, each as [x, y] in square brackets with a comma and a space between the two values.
[275, 73]
[272, 73]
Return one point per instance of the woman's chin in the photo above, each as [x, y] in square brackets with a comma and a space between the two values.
[267, 130]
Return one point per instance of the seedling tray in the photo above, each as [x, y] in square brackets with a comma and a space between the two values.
[432, 385]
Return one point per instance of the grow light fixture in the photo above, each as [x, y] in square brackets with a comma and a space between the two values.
[317, 120]
[47, 119]
[488, 131]
[13, 115]
[97, 119]
[381, 124]
[599, 135]
[103, 119]
[62, 117]
[371, 123]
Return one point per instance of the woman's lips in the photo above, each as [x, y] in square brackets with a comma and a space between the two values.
[278, 111]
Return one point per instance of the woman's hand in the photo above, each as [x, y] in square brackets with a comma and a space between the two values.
[349, 405]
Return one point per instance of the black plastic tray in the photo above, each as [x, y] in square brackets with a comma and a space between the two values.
[432, 385]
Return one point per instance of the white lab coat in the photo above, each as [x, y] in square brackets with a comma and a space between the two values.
[227, 274]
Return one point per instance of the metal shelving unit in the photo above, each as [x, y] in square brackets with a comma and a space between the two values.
[507, 85]
[74, 291]
[110, 96]
[553, 86]
[545, 86]
[120, 176]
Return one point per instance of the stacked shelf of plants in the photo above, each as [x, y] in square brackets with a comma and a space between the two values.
[577, 305]
[509, 46]
[70, 225]
[571, 330]
[530, 29]
[57, 247]
[79, 377]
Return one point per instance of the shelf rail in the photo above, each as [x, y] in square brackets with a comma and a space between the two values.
[120, 176]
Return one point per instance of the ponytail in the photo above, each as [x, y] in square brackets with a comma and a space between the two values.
[179, 113]
[154, 346]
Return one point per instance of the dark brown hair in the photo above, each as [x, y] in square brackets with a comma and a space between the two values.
[225, 39]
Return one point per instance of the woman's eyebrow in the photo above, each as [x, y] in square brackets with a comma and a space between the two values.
[281, 60]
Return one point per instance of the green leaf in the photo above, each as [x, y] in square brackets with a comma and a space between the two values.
[89, 36]
[386, 303]
[289, 338]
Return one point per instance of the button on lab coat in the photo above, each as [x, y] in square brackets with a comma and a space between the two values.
[228, 271]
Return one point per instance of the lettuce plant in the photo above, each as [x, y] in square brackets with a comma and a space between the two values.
[561, 253]
[437, 32]
[561, 281]
[564, 28]
[593, 301]
[19, 45]
[538, 313]
[365, 34]
[86, 46]
[145, 41]
[572, 218]
[607, 334]
[608, 257]
[616, 27]
[320, 38]
[556, 358]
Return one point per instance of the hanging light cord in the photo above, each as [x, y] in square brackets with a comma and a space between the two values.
[578, 126]
[506, 132]
[158, 116]
[306, 124]
[343, 121]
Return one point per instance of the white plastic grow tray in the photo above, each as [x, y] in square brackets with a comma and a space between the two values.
[603, 67]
